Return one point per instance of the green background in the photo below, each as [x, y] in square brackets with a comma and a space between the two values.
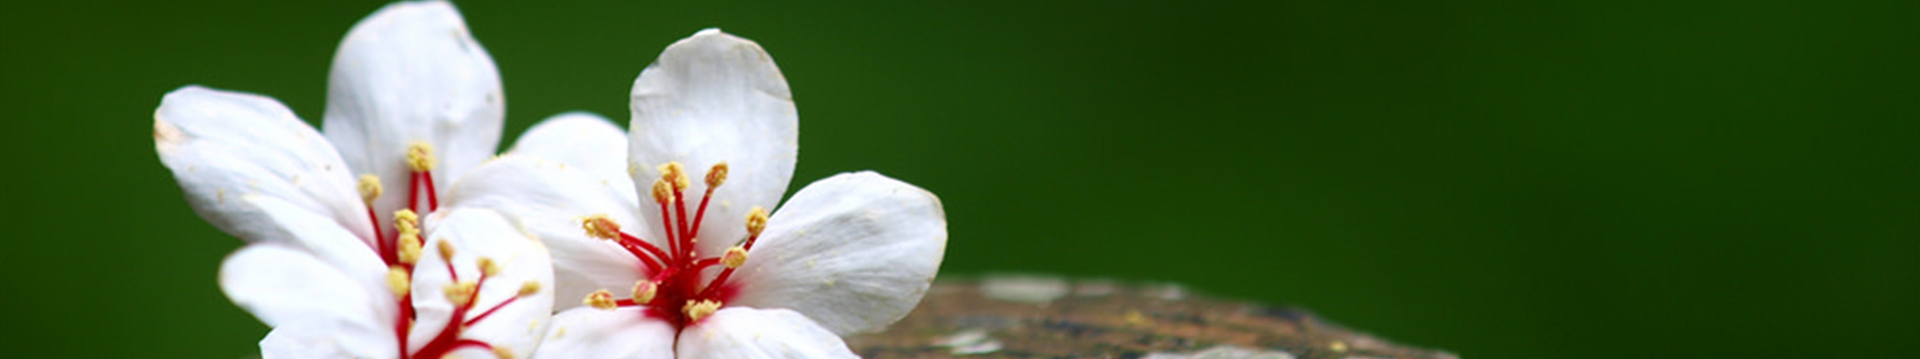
[1601, 180]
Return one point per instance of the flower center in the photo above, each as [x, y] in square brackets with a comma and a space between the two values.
[676, 289]
[402, 253]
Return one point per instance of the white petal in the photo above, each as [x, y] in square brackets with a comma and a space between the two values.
[549, 200]
[713, 98]
[325, 241]
[582, 140]
[595, 333]
[474, 234]
[854, 252]
[411, 73]
[283, 285]
[737, 332]
[225, 145]
[329, 339]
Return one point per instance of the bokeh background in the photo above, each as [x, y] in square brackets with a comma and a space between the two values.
[1562, 180]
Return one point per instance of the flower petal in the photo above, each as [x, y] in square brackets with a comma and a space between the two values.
[582, 140]
[713, 98]
[854, 252]
[475, 235]
[225, 145]
[738, 333]
[548, 200]
[412, 73]
[329, 338]
[594, 333]
[283, 285]
[325, 241]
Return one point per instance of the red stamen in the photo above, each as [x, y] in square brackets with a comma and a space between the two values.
[433, 198]
[645, 251]
[673, 243]
[402, 322]
[413, 195]
[701, 215]
[681, 202]
[386, 250]
[483, 315]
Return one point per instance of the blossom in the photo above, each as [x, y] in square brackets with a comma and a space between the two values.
[673, 249]
[349, 252]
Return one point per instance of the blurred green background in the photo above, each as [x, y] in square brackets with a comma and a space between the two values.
[1602, 180]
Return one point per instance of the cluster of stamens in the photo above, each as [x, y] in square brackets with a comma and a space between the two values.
[674, 289]
[402, 253]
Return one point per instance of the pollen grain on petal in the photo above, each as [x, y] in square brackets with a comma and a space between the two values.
[369, 188]
[420, 156]
[600, 299]
[502, 352]
[600, 226]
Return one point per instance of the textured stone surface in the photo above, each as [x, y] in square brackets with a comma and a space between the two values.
[1049, 317]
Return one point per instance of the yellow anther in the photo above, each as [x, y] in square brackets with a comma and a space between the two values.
[717, 175]
[406, 221]
[756, 220]
[701, 309]
[643, 291]
[446, 250]
[600, 299]
[735, 257]
[662, 192]
[410, 248]
[488, 267]
[501, 352]
[600, 226]
[420, 156]
[399, 281]
[461, 293]
[528, 288]
[370, 188]
[676, 174]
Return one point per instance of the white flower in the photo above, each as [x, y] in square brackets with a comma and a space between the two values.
[677, 261]
[338, 261]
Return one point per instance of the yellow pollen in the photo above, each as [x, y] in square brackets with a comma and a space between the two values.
[600, 226]
[601, 299]
[398, 281]
[528, 288]
[406, 221]
[756, 220]
[446, 250]
[717, 175]
[735, 257]
[420, 156]
[643, 291]
[672, 171]
[662, 192]
[370, 188]
[460, 293]
[701, 309]
[488, 267]
[501, 352]
[410, 248]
